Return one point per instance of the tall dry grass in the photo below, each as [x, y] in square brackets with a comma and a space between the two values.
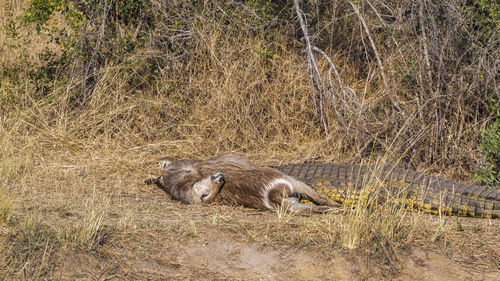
[383, 228]
[211, 81]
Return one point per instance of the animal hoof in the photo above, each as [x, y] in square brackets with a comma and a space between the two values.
[151, 181]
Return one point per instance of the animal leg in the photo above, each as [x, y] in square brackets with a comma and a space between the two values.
[312, 195]
[153, 180]
[164, 163]
[295, 206]
[159, 182]
[282, 194]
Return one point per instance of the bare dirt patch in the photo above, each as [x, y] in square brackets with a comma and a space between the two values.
[225, 258]
[429, 265]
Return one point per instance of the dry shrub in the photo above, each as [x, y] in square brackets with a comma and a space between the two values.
[199, 80]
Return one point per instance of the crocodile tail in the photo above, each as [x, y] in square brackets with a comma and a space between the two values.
[424, 192]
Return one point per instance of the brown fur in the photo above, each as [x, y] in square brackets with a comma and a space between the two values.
[243, 183]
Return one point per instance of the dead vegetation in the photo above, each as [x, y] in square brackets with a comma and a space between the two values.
[92, 99]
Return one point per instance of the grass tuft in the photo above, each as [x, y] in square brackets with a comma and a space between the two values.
[89, 233]
[127, 223]
[368, 223]
[29, 250]
[6, 205]
[283, 213]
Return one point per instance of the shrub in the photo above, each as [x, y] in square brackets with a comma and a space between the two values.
[488, 171]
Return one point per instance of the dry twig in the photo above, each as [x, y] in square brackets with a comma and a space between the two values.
[318, 84]
[320, 88]
[377, 56]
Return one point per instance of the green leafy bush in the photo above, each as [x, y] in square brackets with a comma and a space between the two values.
[488, 171]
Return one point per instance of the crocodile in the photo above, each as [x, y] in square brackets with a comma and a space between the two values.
[344, 183]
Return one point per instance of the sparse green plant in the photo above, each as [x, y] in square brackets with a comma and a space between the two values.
[29, 250]
[488, 171]
[267, 56]
[6, 205]
[127, 223]
[191, 229]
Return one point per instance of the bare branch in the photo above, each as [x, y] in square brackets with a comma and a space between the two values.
[346, 91]
[424, 40]
[318, 84]
[377, 56]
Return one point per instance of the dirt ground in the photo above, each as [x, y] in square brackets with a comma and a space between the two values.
[224, 258]
[95, 219]
[228, 253]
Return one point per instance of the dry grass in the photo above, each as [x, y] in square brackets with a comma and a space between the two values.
[233, 90]
[283, 213]
[72, 198]
[89, 233]
[383, 229]
[27, 250]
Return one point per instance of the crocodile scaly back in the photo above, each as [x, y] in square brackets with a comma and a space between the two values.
[343, 182]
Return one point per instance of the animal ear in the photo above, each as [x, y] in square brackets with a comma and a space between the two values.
[165, 162]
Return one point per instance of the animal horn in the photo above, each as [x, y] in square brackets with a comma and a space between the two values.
[165, 162]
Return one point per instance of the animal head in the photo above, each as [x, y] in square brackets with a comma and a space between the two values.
[186, 183]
